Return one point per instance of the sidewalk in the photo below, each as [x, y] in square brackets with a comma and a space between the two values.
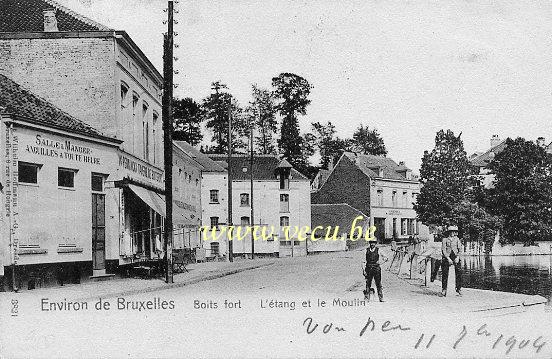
[129, 286]
[486, 302]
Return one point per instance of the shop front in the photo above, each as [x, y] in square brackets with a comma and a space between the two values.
[57, 214]
[142, 210]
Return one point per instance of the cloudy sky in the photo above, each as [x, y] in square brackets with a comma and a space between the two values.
[408, 68]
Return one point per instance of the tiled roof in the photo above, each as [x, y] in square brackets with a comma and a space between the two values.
[484, 159]
[341, 215]
[208, 164]
[264, 167]
[369, 164]
[27, 16]
[23, 104]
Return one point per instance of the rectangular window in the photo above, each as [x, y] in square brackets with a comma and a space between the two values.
[244, 200]
[145, 130]
[405, 199]
[66, 177]
[414, 197]
[284, 221]
[97, 182]
[214, 196]
[380, 197]
[284, 202]
[394, 198]
[284, 180]
[124, 92]
[214, 222]
[27, 172]
[245, 221]
[154, 136]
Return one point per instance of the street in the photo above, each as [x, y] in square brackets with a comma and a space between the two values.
[298, 307]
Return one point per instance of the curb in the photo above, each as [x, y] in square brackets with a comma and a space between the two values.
[165, 286]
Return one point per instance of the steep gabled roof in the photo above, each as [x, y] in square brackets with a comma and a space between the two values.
[208, 164]
[369, 163]
[26, 16]
[322, 176]
[484, 159]
[22, 104]
[264, 167]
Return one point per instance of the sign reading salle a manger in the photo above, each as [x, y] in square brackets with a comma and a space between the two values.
[45, 146]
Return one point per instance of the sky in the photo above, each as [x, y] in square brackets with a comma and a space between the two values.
[406, 68]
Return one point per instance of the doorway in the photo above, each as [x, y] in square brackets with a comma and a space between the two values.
[98, 223]
[379, 223]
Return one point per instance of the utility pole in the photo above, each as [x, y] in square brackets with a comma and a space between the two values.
[252, 125]
[229, 224]
[167, 136]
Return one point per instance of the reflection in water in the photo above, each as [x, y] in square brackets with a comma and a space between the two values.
[517, 274]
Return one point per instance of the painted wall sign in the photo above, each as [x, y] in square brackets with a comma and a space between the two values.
[141, 169]
[394, 212]
[66, 149]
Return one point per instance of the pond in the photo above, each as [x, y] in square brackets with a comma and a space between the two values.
[517, 274]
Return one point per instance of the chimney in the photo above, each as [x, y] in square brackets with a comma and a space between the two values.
[50, 20]
[495, 141]
[541, 142]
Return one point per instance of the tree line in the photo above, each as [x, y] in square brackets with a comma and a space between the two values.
[273, 114]
[518, 203]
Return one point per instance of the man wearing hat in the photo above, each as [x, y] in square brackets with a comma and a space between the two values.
[450, 248]
[373, 269]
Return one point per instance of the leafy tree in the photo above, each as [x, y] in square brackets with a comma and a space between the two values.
[292, 91]
[475, 224]
[262, 112]
[328, 144]
[444, 177]
[368, 141]
[215, 108]
[522, 192]
[325, 141]
[187, 118]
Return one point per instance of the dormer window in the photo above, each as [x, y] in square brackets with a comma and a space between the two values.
[284, 179]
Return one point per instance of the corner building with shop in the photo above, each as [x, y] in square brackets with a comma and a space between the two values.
[99, 77]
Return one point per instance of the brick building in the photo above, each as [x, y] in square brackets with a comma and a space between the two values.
[378, 187]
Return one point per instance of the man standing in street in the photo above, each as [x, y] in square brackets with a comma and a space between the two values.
[450, 248]
[373, 269]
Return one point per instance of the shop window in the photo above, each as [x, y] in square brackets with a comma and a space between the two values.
[244, 200]
[284, 202]
[214, 222]
[66, 178]
[27, 172]
[97, 182]
[214, 196]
